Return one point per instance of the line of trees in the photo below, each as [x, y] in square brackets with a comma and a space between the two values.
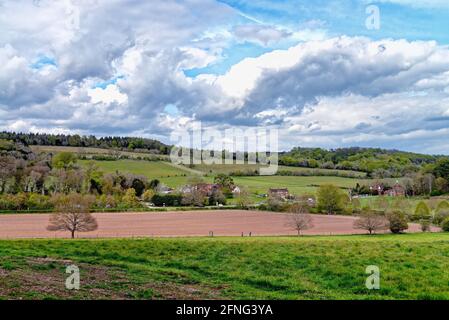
[119, 143]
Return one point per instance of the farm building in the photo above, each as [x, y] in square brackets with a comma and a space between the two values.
[396, 191]
[279, 193]
[236, 190]
[204, 188]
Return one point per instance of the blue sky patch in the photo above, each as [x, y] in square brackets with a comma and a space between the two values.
[43, 61]
[104, 84]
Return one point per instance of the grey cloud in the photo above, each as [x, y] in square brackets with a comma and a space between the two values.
[343, 70]
[261, 34]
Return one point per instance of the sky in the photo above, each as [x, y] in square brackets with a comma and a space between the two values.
[328, 74]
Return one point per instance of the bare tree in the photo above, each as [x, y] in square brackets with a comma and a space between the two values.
[371, 222]
[195, 198]
[72, 215]
[300, 222]
[300, 219]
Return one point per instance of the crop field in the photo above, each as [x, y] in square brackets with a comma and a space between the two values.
[412, 266]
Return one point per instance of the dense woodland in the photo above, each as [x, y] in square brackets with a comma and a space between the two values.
[378, 163]
[61, 140]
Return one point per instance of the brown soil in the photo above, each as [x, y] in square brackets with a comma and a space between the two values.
[180, 224]
[44, 278]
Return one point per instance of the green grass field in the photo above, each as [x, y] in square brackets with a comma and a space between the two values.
[411, 266]
[296, 185]
[150, 169]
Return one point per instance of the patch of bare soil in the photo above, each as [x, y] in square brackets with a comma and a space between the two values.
[44, 278]
[181, 224]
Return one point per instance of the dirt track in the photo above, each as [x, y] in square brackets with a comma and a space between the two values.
[177, 224]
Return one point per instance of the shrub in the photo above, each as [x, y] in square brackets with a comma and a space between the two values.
[397, 222]
[441, 213]
[106, 202]
[217, 197]
[130, 200]
[425, 225]
[148, 195]
[331, 199]
[38, 202]
[445, 225]
[169, 200]
[277, 205]
[422, 212]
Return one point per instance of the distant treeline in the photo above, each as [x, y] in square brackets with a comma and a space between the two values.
[378, 163]
[62, 140]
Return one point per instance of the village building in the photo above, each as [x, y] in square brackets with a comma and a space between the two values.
[236, 190]
[396, 191]
[165, 190]
[279, 193]
[205, 188]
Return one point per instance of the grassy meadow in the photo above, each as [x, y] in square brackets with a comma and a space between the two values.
[412, 266]
[296, 185]
[150, 169]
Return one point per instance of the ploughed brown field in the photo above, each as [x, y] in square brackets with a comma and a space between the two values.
[179, 224]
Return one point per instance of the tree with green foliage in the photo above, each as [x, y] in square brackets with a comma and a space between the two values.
[225, 182]
[441, 212]
[441, 185]
[331, 199]
[442, 168]
[64, 160]
[443, 206]
[154, 184]
[139, 186]
[398, 222]
[130, 199]
[148, 195]
[92, 178]
[422, 212]
[445, 225]
[217, 196]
